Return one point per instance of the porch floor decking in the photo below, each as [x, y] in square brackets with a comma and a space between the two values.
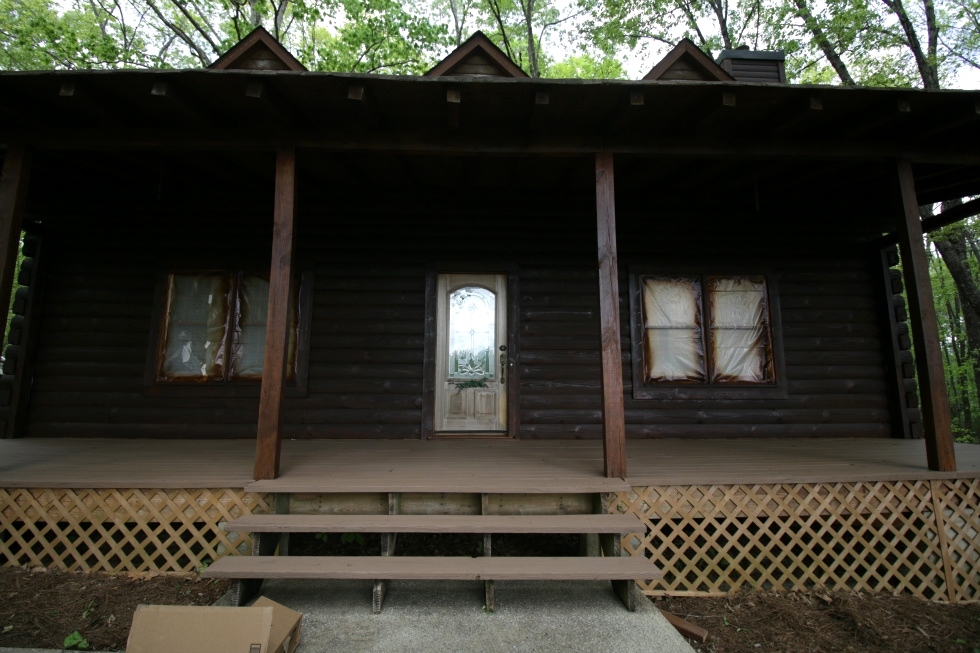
[480, 465]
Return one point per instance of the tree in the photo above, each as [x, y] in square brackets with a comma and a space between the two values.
[519, 28]
[342, 35]
[921, 36]
[36, 34]
[962, 375]
[711, 24]
[378, 36]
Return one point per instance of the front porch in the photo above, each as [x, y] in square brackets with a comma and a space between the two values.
[719, 515]
[476, 465]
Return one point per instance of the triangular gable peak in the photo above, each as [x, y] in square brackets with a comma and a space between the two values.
[687, 61]
[259, 50]
[477, 56]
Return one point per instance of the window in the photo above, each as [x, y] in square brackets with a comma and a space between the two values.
[698, 335]
[214, 328]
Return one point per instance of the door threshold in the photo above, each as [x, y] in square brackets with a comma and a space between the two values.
[450, 435]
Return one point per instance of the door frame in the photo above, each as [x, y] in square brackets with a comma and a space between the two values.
[431, 334]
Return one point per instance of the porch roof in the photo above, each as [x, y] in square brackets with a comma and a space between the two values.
[650, 124]
[481, 465]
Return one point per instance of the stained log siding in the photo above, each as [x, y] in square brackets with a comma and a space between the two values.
[367, 341]
[832, 352]
[91, 361]
[366, 355]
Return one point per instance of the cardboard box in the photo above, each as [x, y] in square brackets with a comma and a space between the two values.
[265, 627]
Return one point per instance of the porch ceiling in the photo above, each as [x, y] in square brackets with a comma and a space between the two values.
[685, 143]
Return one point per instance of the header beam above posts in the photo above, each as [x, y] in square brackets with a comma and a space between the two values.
[936, 419]
[613, 414]
[269, 437]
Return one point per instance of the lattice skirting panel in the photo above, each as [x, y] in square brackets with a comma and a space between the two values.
[918, 537]
[122, 530]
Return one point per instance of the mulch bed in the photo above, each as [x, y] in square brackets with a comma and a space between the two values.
[41, 609]
[820, 622]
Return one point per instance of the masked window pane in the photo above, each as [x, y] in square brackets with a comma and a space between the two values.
[196, 330]
[673, 344]
[740, 343]
[248, 343]
[216, 325]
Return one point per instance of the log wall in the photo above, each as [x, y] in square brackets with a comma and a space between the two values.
[368, 324]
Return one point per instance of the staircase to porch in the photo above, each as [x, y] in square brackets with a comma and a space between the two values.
[486, 514]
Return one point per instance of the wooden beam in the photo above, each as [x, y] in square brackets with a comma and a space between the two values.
[269, 438]
[944, 219]
[454, 97]
[13, 194]
[275, 106]
[951, 215]
[684, 627]
[613, 414]
[179, 102]
[732, 147]
[936, 419]
[624, 115]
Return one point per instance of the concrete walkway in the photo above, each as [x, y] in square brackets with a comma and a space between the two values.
[448, 617]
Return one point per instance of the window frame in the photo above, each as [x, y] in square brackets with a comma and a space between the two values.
[706, 390]
[227, 387]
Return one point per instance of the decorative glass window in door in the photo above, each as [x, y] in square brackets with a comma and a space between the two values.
[472, 326]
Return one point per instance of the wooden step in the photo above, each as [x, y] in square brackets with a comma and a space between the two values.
[433, 568]
[603, 523]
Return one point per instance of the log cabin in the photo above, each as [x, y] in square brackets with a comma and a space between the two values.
[665, 312]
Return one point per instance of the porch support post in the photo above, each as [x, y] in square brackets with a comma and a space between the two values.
[936, 420]
[269, 438]
[13, 193]
[613, 418]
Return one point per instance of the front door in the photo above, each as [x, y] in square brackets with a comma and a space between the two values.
[471, 354]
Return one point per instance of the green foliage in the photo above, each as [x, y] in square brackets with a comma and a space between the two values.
[471, 383]
[348, 538]
[40, 34]
[75, 640]
[960, 356]
[385, 36]
[13, 292]
[585, 66]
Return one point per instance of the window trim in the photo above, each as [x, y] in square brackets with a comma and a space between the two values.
[154, 386]
[684, 391]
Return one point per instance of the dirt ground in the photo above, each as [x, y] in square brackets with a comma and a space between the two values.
[820, 622]
[42, 609]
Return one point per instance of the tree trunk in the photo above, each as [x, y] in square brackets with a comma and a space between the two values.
[820, 38]
[527, 7]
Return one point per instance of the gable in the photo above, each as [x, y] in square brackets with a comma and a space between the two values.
[259, 50]
[477, 56]
[687, 62]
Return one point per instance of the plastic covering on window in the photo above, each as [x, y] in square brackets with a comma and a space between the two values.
[197, 317]
[674, 349]
[248, 341]
[739, 330]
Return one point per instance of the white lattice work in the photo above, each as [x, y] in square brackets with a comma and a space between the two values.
[880, 537]
[122, 530]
